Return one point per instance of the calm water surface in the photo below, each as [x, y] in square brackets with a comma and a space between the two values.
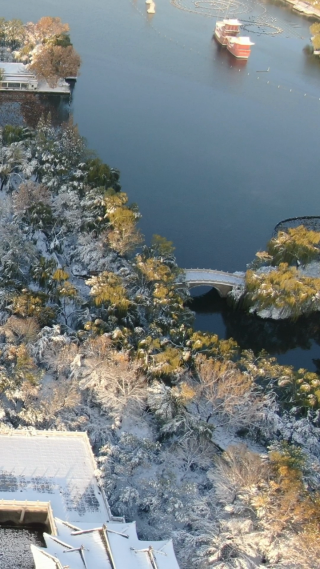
[214, 151]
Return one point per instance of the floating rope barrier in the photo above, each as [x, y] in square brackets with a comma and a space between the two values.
[260, 24]
[231, 9]
[212, 8]
[260, 21]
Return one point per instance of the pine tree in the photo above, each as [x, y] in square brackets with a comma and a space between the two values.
[298, 244]
[107, 289]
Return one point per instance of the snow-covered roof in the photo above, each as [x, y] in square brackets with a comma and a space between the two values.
[242, 40]
[19, 73]
[59, 468]
[13, 68]
[223, 23]
[111, 546]
[44, 560]
[18, 70]
[232, 22]
[55, 467]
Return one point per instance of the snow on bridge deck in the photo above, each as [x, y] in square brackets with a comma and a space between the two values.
[222, 281]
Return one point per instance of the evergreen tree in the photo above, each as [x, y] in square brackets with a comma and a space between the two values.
[298, 244]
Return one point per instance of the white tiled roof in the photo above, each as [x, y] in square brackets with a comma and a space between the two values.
[242, 40]
[58, 467]
[114, 546]
[231, 22]
[52, 467]
[15, 70]
[19, 73]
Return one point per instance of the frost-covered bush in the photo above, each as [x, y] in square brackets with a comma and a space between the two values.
[155, 485]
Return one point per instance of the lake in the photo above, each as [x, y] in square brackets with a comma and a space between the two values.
[214, 151]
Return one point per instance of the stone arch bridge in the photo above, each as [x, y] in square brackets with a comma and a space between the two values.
[223, 282]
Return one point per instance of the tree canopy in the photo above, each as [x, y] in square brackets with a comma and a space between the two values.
[298, 244]
[315, 31]
[53, 62]
[45, 47]
[286, 277]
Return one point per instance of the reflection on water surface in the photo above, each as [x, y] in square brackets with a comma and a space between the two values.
[292, 342]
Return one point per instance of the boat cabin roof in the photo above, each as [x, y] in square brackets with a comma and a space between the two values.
[242, 40]
[231, 22]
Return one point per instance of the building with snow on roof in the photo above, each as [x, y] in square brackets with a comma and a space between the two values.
[48, 477]
[17, 77]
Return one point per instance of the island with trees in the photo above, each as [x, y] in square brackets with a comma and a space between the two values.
[284, 280]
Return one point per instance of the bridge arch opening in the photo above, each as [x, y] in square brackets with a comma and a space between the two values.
[222, 288]
[197, 290]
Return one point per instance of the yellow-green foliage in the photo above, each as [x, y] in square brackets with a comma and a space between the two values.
[67, 290]
[114, 219]
[212, 345]
[296, 244]
[262, 258]
[315, 31]
[60, 275]
[162, 247]
[308, 388]
[287, 462]
[167, 362]
[29, 304]
[107, 288]
[153, 269]
[123, 235]
[297, 387]
[167, 296]
[285, 289]
[25, 368]
[158, 358]
[183, 393]
[156, 268]
[112, 200]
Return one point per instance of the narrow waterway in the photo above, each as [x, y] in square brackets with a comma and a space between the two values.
[295, 343]
[214, 151]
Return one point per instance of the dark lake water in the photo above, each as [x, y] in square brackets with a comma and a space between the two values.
[294, 343]
[214, 151]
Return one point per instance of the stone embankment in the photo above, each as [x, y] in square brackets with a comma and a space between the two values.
[303, 8]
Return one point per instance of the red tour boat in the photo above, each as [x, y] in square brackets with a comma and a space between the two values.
[226, 28]
[239, 47]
